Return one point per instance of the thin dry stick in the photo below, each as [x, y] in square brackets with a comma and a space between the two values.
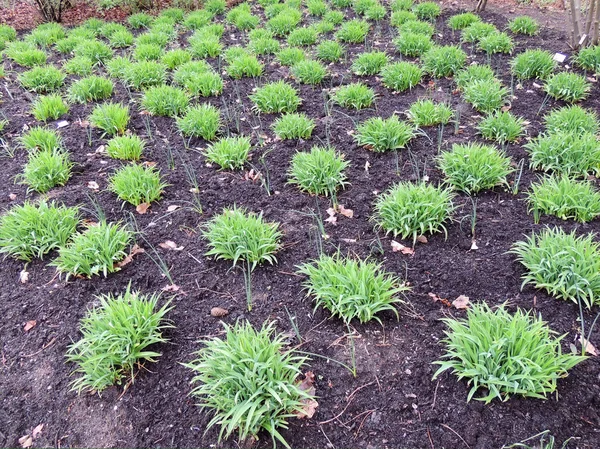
[430, 439]
[456, 433]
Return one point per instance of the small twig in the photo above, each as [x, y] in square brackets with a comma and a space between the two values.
[326, 437]
[435, 394]
[369, 412]
[456, 433]
[430, 439]
[290, 274]
[47, 345]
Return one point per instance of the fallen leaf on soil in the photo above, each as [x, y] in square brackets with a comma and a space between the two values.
[422, 239]
[142, 208]
[12, 196]
[218, 312]
[62, 124]
[83, 123]
[93, 185]
[129, 257]
[474, 245]
[348, 240]
[332, 218]
[462, 302]
[170, 244]
[37, 430]
[149, 164]
[173, 207]
[588, 346]
[26, 441]
[170, 288]
[24, 276]
[309, 406]
[252, 176]
[29, 325]
[436, 298]
[349, 213]
[399, 247]
[101, 149]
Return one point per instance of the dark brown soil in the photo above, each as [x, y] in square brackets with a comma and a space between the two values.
[392, 402]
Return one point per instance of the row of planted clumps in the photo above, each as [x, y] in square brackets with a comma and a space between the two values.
[249, 378]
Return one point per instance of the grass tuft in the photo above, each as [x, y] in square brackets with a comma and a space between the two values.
[351, 289]
[229, 153]
[378, 134]
[504, 354]
[320, 171]
[137, 184]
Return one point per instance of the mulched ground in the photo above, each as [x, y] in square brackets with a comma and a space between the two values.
[392, 402]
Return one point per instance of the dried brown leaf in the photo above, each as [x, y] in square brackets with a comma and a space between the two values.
[309, 406]
[170, 244]
[129, 257]
[436, 298]
[422, 239]
[26, 441]
[218, 312]
[29, 325]
[24, 276]
[173, 207]
[462, 302]
[349, 213]
[142, 208]
[399, 247]
[37, 430]
[93, 185]
[588, 346]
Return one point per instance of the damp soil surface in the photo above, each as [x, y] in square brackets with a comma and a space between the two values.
[392, 401]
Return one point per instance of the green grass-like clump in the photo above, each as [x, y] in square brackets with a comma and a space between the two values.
[427, 113]
[144, 74]
[352, 288]
[402, 16]
[563, 264]
[40, 138]
[463, 20]
[277, 96]
[413, 45]
[249, 380]
[91, 88]
[485, 95]
[401, 76]
[416, 27]
[127, 148]
[118, 66]
[411, 210]
[353, 31]
[476, 31]
[245, 65]
[444, 61]
[203, 120]
[121, 39]
[229, 153]
[97, 250]
[111, 118]
[369, 63]
[116, 338]
[290, 55]
[175, 58]
[239, 236]
[533, 63]
[206, 84]
[570, 153]
[504, 354]
[427, 11]
[496, 42]
[293, 126]
[379, 135]
[502, 127]
[588, 58]
[42, 79]
[46, 169]
[25, 54]
[166, 101]
[564, 198]
[354, 95]
[302, 37]
[475, 72]
[309, 71]
[320, 171]
[572, 119]
[147, 52]
[94, 49]
[137, 184]
[330, 51]
[524, 25]
[49, 107]
[567, 86]
[32, 230]
[474, 167]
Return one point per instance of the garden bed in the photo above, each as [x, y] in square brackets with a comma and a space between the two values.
[392, 401]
